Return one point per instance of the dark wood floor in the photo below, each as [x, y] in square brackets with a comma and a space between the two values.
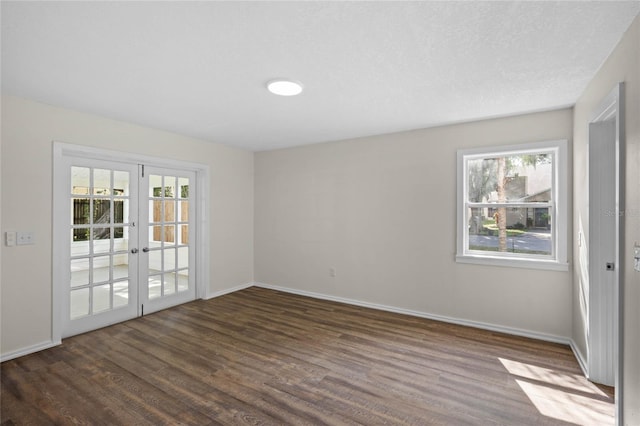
[263, 357]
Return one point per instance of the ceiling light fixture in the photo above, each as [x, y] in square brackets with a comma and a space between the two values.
[284, 87]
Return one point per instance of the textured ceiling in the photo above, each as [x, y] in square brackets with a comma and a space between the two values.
[200, 68]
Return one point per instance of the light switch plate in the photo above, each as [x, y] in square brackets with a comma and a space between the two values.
[10, 238]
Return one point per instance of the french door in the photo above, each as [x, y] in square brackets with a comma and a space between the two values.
[130, 242]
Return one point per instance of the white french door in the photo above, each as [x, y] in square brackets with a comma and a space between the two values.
[167, 230]
[130, 242]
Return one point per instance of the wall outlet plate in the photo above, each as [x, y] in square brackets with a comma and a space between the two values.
[24, 238]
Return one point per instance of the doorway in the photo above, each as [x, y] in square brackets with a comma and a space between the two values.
[125, 238]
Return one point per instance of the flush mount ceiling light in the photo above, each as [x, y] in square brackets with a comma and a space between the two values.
[284, 87]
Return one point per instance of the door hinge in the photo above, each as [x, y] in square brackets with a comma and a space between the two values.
[142, 170]
[142, 310]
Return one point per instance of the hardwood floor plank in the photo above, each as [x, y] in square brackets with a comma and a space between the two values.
[262, 357]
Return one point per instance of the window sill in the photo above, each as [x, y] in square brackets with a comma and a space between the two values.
[550, 265]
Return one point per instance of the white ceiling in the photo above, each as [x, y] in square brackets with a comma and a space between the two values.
[200, 68]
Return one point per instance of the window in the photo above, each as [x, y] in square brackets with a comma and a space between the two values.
[512, 205]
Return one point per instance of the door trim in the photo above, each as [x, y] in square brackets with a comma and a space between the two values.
[60, 215]
[612, 107]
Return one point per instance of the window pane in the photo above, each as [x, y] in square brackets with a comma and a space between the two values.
[522, 178]
[524, 230]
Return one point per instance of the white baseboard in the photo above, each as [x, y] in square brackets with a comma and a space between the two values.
[451, 320]
[227, 291]
[28, 350]
[580, 357]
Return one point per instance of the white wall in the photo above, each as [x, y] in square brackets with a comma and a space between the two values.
[381, 211]
[622, 65]
[28, 129]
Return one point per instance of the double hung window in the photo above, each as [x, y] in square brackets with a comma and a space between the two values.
[512, 205]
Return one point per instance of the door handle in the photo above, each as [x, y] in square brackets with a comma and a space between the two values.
[134, 250]
[146, 249]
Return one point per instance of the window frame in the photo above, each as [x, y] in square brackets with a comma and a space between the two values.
[559, 205]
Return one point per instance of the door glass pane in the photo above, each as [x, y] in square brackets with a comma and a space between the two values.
[79, 272]
[120, 183]
[101, 298]
[101, 269]
[155, 286]
[183, 280]
[169, 259]
[79, 242]
[101, 182]
[155, 261]
[184, 211]
[120, 293]
[80, 180]
[169, 234]
[169, 284]
[170, 186]
[80, 208]
[101, 211]
[183, 257]
[101, 240]
[120, 211]
[183, 184]
[120, 266]
[79, 303]
[169, 211]
[155, 186]
[184, 234]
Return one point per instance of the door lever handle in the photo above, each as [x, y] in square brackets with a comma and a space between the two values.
[146, 249]
[134, 250]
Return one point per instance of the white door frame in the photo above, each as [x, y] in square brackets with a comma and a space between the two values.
[61, 216]
[606, 316]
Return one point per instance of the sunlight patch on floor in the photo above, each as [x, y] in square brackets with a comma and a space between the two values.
[562, 396]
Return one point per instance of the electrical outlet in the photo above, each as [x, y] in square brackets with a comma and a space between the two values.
[24, 238]
[636, 257]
